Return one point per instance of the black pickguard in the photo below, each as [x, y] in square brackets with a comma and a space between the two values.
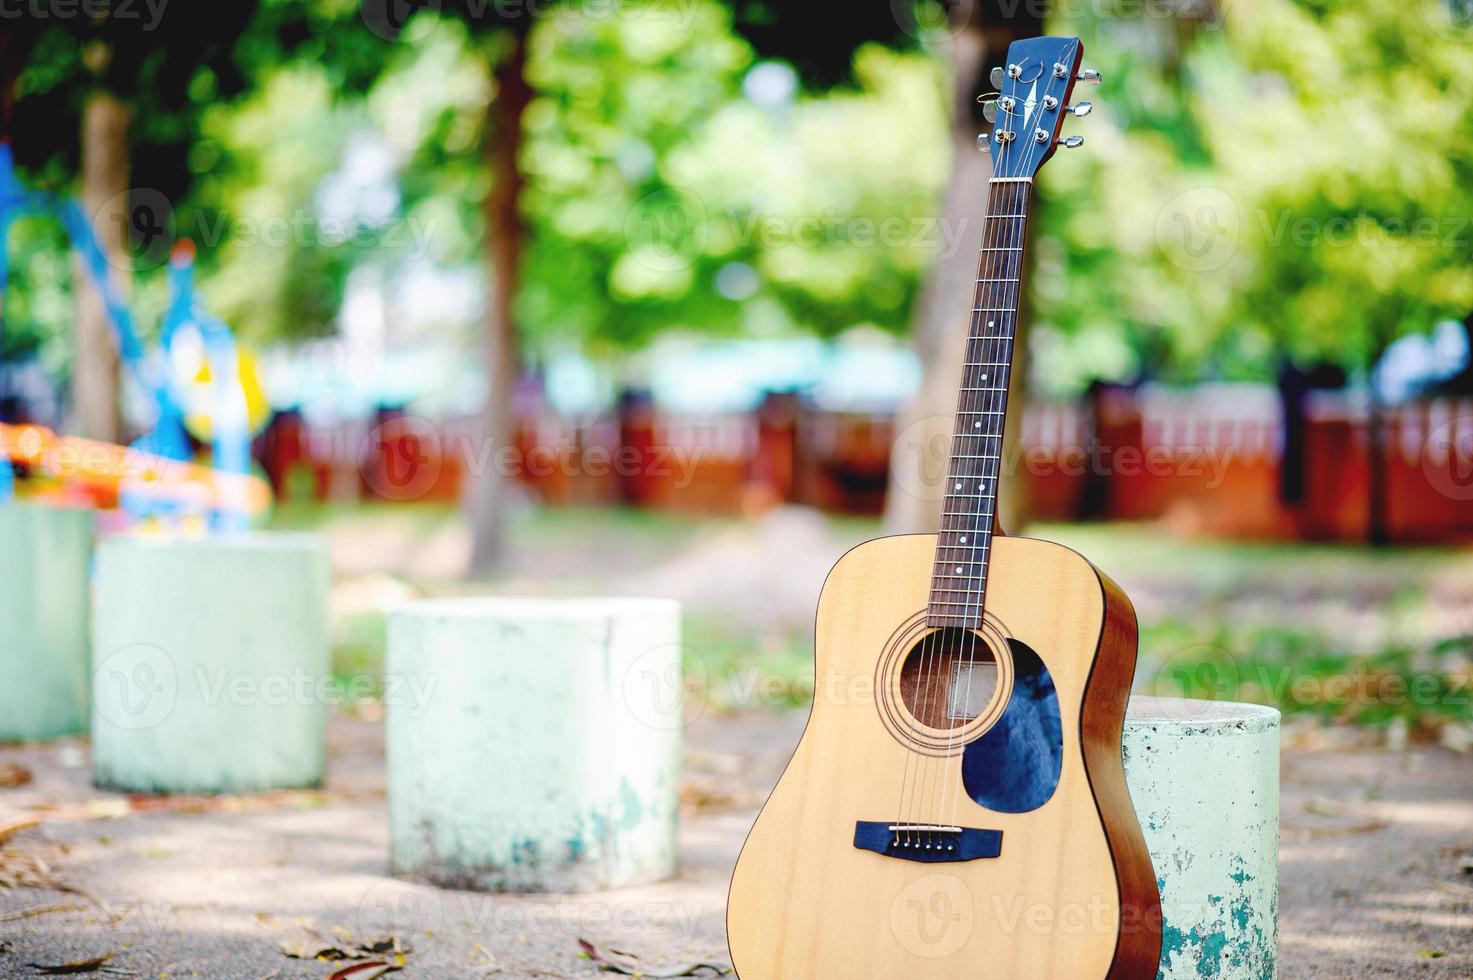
[1014, 766]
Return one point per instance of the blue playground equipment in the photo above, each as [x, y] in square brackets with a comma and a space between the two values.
[229, 428]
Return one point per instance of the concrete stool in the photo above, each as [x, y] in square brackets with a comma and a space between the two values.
[1204, 776]
[211, 669]
[541, 752]
[45, 595]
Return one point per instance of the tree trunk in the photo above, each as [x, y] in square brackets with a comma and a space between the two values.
[504, 237]
[95, 402]
[919, 457]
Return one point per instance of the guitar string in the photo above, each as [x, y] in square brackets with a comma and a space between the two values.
[1004, 355]
[979, 350]
[1001, 355]
[985, 478]
[978, 545]
[937, 769]
[915, 804]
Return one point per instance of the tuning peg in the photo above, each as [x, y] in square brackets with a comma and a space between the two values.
[1072, 142]
[989, 111]
[996, 76]
[983, 143]
[1081, 110]
[1089, 75]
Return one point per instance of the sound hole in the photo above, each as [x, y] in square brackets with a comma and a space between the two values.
[948, 678]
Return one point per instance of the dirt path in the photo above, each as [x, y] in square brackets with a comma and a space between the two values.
[1370, 879]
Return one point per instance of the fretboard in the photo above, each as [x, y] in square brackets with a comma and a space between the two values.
[964, 542]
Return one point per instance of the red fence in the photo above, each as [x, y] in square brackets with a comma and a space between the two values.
[1209, 460]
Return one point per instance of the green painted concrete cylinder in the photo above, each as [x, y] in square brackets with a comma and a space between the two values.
[535, 744]
[45, 598]
[211, 667]
[1204, 777]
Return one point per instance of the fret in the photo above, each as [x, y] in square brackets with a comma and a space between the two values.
[967, 518]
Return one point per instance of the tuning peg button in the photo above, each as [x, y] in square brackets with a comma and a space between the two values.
[996, 76]
[1072, 142]
[1081, 110]
[983, 143]
[1089, 75]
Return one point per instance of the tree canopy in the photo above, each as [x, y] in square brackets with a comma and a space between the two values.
[1273, 179]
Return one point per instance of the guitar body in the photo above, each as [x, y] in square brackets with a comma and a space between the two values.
[1070, 893]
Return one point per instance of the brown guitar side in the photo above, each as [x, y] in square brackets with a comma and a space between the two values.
[1071, 895]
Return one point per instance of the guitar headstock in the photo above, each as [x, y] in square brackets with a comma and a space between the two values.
[1031, 101]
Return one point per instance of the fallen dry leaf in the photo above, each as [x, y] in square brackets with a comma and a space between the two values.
[313, 945]
[487, 959]
[1365, 827]
[364, 971]
[14, 774]
[621, 961]
[79, 966]
[376, 947]
[87, 810]
[9, 828]
[39, 910]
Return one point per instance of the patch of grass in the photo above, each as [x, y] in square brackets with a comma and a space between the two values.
[1303, 674]
[727, 665]
[732, 667]
[311, 515]
[359, 647]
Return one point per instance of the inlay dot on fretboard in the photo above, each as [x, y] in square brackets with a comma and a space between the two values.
[958, 569]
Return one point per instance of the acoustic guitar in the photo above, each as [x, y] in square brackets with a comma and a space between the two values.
[957, 806]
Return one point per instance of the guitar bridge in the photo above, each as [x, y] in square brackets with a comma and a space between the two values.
[926, 842]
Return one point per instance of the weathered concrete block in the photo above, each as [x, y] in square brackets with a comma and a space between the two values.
[542, 751]
[211, 667]
[45, 598]
[1204, 776]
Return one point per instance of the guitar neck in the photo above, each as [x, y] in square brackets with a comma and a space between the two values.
[963, 544]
